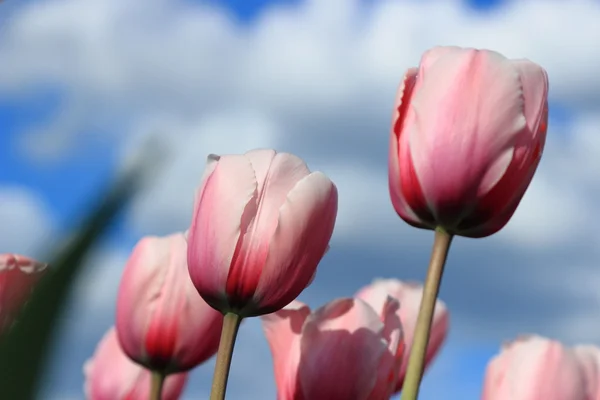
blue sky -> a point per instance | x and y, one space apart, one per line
81 85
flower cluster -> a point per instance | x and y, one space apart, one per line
467 134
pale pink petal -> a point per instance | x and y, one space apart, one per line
282 330
261 160
161 319
223 213
402 115
534 368
461 151
110 375
409 294
305 225
341 351
183 328
534 81
391 362
277 175
141 282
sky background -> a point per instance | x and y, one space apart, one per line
84 84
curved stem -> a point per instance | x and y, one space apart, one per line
231 324
416 362
158 379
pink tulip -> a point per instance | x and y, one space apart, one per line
162 322
344 350
111 375
534 368
467 135
18 275
409 296
589 360
262 222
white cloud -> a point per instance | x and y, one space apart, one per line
25 222
97 286
299 75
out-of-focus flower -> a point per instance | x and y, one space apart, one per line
409 295
261 224
468 131
589 360
111 375
535 368
18 275
343 350
162 322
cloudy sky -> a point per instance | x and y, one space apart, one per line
84 84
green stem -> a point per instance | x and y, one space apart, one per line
416 362
231 324
156 385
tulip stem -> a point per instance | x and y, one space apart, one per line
156 385
416 362
231 324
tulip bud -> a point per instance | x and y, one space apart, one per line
262 222
409 296
534 368
344 350
468 131
18 275
111 375
162 322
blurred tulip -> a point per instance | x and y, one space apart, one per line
111 375
467 135
18 275
344 350
589 360
162 322
535 368
409 296
261 224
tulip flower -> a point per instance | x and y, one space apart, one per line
468 131
535 368
18 275
467 135
162 322
409 296
111 375
344 350
262 222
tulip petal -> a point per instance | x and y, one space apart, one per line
409 294
341 339
110 375
461 151
223 213
304 228
401 172
534 368
282 330
534 81
496 208
276 175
